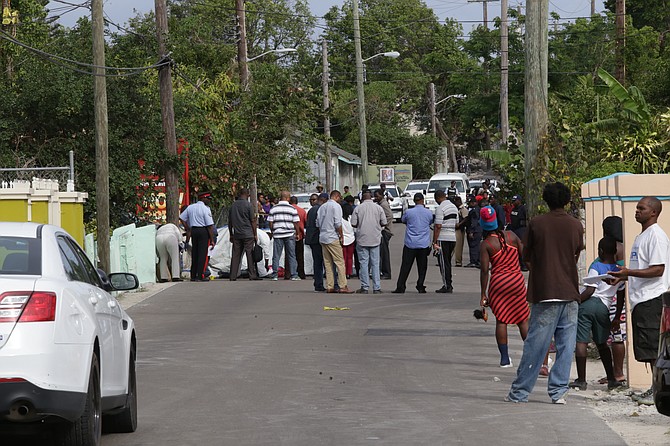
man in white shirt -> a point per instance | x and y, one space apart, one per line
284 224
648 278
444 238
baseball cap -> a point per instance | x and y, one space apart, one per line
516 197
205 195
323 196
488 219
418 196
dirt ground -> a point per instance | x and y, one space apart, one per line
637 425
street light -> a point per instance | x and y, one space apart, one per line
277 51
457 96
391 54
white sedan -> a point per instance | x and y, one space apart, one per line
67 348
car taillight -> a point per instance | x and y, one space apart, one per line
24 306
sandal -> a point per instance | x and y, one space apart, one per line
581 385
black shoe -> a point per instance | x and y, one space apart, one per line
163 281
362 291
177 279
385 277
255 278
421 290
397 291
470 265
319 290
443 290
377 292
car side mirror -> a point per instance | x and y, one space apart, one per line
123 281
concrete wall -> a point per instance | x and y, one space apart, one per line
618 195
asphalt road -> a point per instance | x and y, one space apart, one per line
262 363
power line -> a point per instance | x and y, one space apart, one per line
64 61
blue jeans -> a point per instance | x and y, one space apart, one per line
547 319
279 244
368 257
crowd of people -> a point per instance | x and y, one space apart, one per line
348 237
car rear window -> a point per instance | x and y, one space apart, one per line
20 256
444 185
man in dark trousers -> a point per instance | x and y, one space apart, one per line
384 253
551 249
242 229
444 238
299 241
518 222
417 244
473 232
312 239
199 225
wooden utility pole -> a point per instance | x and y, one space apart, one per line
325 78
593 8
620 69
101 135
242 43
536 93
167 115
504 73
360 91
485 17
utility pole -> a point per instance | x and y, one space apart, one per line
431 107
326 116
242 44
101 135
485 18
504 73
593 8
362 126
536 93
167 115
620 70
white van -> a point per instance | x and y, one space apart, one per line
442 181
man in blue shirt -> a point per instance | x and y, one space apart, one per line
417 244
199 226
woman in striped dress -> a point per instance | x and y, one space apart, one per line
506 287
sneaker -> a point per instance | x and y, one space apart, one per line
561 400
544 371
295 279
643 395
275 278
507 399
445 290
377 292
362 291
581 385
507 366
646 401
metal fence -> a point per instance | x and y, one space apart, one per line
63 175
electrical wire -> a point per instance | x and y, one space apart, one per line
64 61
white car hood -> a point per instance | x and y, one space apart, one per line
13 283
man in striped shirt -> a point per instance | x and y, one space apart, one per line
444 237
284 221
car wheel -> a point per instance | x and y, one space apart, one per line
126 420
87 430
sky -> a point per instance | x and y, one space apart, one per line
119 11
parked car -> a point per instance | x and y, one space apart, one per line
67 348
393 196
408 194
303 201
442 181
662 370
